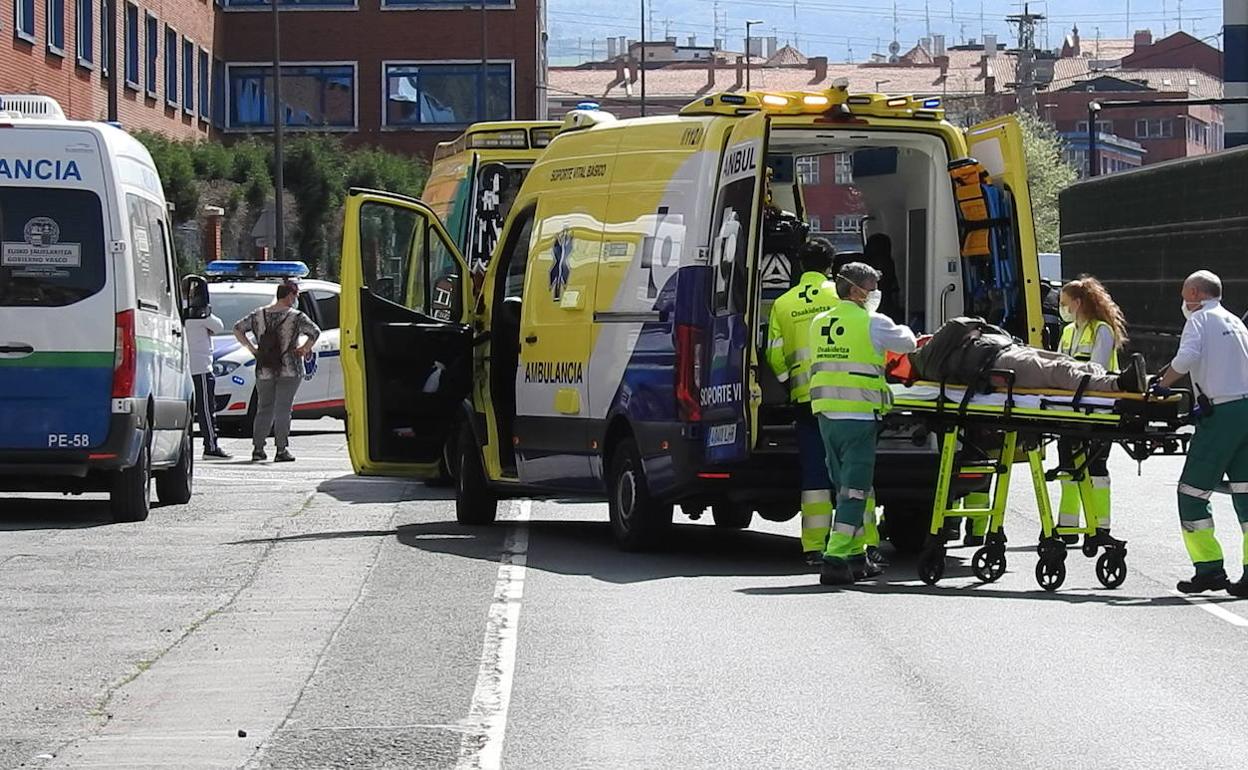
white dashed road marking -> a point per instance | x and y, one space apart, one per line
482 745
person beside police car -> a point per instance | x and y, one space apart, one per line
788 356
199 334
1213 350
849 395
279 365
1095 331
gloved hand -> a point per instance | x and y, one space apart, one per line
1156 389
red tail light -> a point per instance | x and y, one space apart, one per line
689 372
125 362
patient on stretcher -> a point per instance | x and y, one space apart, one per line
964 351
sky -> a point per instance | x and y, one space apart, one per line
845 30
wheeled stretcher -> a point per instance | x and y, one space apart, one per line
984 434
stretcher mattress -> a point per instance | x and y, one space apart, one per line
1061 400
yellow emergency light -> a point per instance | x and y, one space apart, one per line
495 139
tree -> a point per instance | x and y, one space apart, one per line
1048 174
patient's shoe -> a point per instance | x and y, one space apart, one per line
1134 379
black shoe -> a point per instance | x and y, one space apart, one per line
258 455
813 558
876 557
973 541
836 572
218 453
1102 539
1134 379
863 568
1239 590
1200 583
1069 539
283 456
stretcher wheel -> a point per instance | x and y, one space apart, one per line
932 565
1089 549
1111 569
1051 573
988 564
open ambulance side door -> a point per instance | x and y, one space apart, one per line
998 145
406 350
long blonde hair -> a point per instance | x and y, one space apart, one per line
1098 305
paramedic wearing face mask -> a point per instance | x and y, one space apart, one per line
1214 351
849 394
1095 331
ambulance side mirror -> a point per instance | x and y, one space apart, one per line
195 291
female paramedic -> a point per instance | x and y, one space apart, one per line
1095 331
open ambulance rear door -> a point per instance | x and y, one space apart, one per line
406 351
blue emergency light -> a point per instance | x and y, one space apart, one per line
591 106
227 268
932 104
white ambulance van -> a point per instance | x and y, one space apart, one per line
95 393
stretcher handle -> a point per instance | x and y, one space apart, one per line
1009 376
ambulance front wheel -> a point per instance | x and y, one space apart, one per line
731 515
475 504
638 520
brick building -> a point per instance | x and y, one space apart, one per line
402 74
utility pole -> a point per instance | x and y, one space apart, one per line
279 157
796 27
642 58
1026 85
1130 31
927 18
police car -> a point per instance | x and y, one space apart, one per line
237 288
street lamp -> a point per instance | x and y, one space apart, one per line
749 24
879 83
279 159
1094 110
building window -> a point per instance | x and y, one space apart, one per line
218 93
171 65
1154 128
816 224
1198 132
302 3
1102 126
847 223
132 45
151 39
85 32
205 85
440 3
446 94
56 26
188 77
808 171
313 95
24 19
844 169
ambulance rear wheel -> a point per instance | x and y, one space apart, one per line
638 520
130 497
731 515
475 504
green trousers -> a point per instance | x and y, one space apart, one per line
1219 448
850 449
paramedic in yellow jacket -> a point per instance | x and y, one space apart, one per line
788 355
1095 331
849 394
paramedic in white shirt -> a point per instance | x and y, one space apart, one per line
199 334
1214 351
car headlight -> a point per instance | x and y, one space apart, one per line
222 368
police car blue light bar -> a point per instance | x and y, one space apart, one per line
225 268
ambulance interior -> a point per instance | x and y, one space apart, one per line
896 188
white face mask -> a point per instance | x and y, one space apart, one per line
1066 313
874 298
1187 311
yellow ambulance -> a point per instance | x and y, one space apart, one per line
474 180
615 351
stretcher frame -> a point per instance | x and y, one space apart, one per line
1148 426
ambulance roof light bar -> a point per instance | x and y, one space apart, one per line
817 102
223 269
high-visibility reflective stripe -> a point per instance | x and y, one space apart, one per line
801 354
861 395
1191 491
801 377
844 529
783 376
1238 487
777 343
1243 525
1197 525
867 370
856 494
818 521
816 496
1100 482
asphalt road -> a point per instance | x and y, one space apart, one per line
298 616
